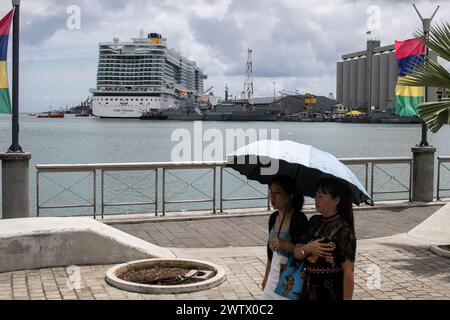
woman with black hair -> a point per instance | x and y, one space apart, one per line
288 226
330 254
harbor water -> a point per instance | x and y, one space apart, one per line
75 140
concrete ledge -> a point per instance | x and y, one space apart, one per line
34 243
435 229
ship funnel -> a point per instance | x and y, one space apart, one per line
154 38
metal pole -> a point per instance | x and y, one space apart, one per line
426 23
367 175
371 183
156 192
103 192
164 192
221 189
37 192
15 147
214 190
94 178
438 179
424 142
411 173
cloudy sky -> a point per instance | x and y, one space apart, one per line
295 43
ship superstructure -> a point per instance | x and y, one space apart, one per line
140 75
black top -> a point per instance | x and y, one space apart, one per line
298 229
324 275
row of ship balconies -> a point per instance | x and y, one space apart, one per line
134 60
131 65
131 74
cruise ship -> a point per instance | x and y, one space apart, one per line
140 75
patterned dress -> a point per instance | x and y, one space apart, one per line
324 275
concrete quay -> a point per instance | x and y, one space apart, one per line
393 259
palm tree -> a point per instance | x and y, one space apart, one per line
431 74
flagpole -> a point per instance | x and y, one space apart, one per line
426 23
15 147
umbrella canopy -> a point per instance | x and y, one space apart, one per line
264 159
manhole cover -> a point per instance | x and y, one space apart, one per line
165 276
441 250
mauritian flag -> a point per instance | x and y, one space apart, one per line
409 53
5 25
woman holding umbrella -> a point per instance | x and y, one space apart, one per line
331 251
329 276
288 226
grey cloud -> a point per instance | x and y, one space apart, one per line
223 36
37 29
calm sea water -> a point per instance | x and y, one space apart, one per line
92 140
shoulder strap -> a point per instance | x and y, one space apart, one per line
272 219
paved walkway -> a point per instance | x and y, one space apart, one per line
252 231
387 269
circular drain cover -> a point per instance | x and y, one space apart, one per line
163 276
166 275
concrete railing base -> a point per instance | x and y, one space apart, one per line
51 242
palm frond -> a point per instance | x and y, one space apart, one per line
427 74
435 114
438 40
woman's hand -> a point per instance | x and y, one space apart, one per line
317 248
278 244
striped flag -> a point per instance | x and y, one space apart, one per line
408 53
5 25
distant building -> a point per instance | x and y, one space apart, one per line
294 104
339 111
366 80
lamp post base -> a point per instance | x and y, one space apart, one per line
15 185
423 173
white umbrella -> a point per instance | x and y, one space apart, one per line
307 165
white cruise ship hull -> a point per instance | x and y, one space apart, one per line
130 106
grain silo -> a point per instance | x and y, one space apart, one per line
339 81
376 78
375 82
353 82
392 75
346 84
384 80
361 96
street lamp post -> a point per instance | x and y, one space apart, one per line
15 162
423 154
15 147
426 23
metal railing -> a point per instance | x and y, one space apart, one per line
375 164
442 161
373 167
